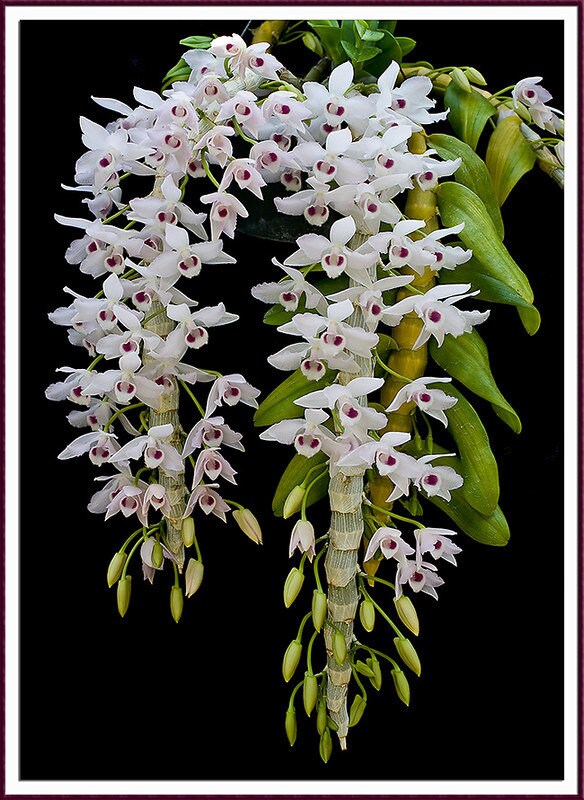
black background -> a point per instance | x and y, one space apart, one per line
146 699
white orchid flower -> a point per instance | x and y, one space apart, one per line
99 444
432 401
312 203
157 213
208 500
435 308
330 163
225 209
231 389
308 435
289 292
369 296
126 383
212 465
436 541
391 544
400 467
211 432
437 481
158 453
420 575
243 106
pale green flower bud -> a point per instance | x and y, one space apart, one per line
367 615
291 659
339 647
364 669
460 78
248 524
293 586
408 654
309 692
124 592
357 709
321 718
402 687
176 603
313 43
475 76
319 609
157 556
325 748
290 725
115 568
187 531
373 663
407 613
293 502
522 111
193 576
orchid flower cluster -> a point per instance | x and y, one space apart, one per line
340 158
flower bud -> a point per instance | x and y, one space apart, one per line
408 654
124 592
176 603
325 747
402 687
321 718
193 576
115 568
407 613
373 664
248 524
522 111
290 725
319 609
293 586
339 647
460 78
309 692
187 531
291 659
293 502
357 709
367 614
475 76
364 669
157 556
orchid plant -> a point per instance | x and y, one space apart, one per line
396 232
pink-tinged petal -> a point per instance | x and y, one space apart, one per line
342 230
170 190
172 463
359 387
147 98
289 358
176 237
284 431
113 105
132 450
112 288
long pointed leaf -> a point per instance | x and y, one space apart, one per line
472 172
457 203
509 157
478 465
469 112
493 290
279 404
466 359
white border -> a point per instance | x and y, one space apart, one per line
16 787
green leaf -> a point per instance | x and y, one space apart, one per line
469 112
458 203
493 290
330 36
358 55
492 530
509 156
466 359
478 466
279 404
294 474
472 172
390 51
406 44
197 42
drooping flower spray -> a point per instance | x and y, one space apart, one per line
394 227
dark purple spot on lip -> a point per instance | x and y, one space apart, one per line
92 419
439 257
157 455
245 175
530 93
437 545
288 297
179 111
141 297
311 211
375 310
223 212
314 443
233 391
401 103
76 392
258 62
428 176
425 398
92 247
435 316
229 46
417 577
352 413
300 440
431 480
372 208
128 347
391 544
284 109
